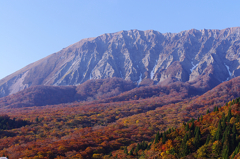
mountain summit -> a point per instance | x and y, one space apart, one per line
203 58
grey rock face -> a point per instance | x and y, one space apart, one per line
200 57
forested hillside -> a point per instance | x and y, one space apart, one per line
145 122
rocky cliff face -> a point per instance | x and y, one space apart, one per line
203 58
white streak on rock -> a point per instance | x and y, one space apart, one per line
90 75
140 79
153 70
230 73
194 66
121 74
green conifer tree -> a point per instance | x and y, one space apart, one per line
184 148
225 152
187 127
237 119
223 121
189 134
234 130
215 109
236 151
157 137
164 138
131 151
138 146
208 139
226 134
136 151
217 135
192 125
125 150
197 138
229 115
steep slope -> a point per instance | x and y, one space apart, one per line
204 58
214 135
219 95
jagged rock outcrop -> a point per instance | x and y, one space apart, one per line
203 58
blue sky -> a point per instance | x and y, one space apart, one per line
33 29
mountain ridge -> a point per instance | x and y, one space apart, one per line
202 58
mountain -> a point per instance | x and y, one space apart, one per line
202 58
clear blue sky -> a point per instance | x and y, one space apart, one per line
33 29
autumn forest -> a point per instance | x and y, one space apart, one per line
114 118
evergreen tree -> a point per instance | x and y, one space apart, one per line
149 146
238 100
172 151
136 151
36 119
236 151
125 150
186 137
226 134
189 134
229 115
187 127
157 137
169 130
223 121
208 139
225 152
144 145
201 117
234 130
233 138
164 138
233 141
192 126
217 135
138 146
196 129
237 119
215 109
131 152
197 138
207 111
185 150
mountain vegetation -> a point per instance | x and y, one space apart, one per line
145 122
130 94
